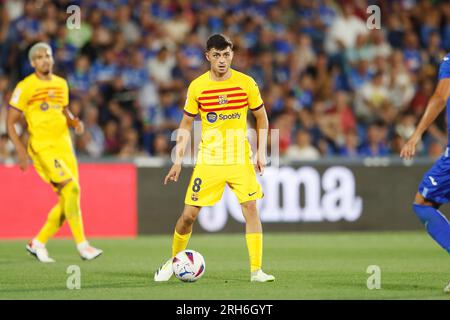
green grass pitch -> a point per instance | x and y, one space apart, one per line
306 266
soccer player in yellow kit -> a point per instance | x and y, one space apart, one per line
43 98
221 97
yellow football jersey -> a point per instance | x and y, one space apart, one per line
42 102
223 109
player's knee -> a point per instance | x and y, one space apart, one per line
249 209
71 188
188 218
249 205
419 199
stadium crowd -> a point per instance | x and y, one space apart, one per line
330 85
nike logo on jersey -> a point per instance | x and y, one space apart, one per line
250 194
433 182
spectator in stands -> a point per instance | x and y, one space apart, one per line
371 99
96 139
344 30
374 146
161 68
130 144
302 150
112 143
350 147
161 147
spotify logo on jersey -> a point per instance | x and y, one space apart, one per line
212 116
235 115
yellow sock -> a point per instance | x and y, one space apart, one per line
55 220
180 242
72 210
254 246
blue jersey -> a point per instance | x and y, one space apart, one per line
444 72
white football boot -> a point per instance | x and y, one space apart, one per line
164 273
87 252
447 288
260 276
39 250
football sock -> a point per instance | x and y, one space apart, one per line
436 224
54 221
180 242
254 246
71 195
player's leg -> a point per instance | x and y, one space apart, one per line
435 222
55 220
70 192
61 172
205 189
434 190
181 236
243 182
253 234
254 239
183 228
55 217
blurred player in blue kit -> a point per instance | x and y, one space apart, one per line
434 189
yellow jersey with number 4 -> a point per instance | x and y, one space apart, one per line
223 107
42 103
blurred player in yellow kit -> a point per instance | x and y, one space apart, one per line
222 97
43 98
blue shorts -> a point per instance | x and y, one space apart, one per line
435 184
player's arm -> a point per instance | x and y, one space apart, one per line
184 133
183 137
262 127
435 106
14 116
256 105
73 122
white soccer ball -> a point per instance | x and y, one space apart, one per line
188 265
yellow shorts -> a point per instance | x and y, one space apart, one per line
55 167
208 183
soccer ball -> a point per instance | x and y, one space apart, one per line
188 265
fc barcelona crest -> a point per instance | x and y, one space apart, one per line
223 99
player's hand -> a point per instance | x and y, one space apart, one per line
409 149
79 127
260 165
22 158
173 174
